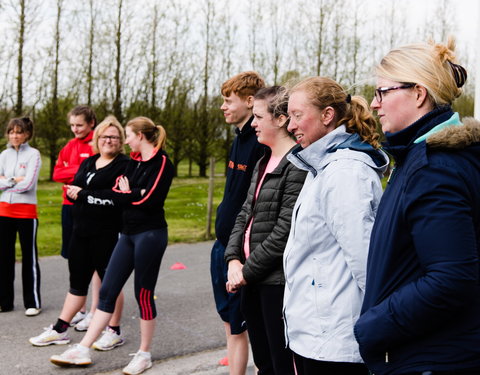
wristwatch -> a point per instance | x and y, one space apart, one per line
11 181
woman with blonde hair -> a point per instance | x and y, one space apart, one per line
96 226
326 253
422 303
141 190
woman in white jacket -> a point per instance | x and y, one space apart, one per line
19 168
326 253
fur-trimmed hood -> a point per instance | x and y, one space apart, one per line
456 137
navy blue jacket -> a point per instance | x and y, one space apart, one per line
244 154
422 304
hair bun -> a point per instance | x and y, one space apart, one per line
445 52
459 73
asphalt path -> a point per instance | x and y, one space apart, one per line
188 327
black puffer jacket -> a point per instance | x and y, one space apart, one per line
271 213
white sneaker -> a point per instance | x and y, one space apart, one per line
108 341
32 311
78 317
139 363
84 323
50 337
75 356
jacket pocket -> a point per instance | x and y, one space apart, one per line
320 284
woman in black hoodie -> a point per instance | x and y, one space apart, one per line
142 191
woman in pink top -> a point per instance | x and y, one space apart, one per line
255 249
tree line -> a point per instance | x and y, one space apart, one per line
166 59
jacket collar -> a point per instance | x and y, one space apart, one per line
87 139
399 143
137 156
320 153
22 147
279 168
246 129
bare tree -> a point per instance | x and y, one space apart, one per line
202 160
255 19
90 47
276 39
443 22
314 34
354 47
21 26
117 103
51 128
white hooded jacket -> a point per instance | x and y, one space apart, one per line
25 162
326 253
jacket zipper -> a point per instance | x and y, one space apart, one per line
392 173
14 170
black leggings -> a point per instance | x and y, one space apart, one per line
143 253
86 255
262 308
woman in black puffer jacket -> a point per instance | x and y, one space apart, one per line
255 249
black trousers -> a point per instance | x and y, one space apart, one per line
307 366
27 233
261 306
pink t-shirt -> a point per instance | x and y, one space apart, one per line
272 164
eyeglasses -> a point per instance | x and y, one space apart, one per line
382 90
113 138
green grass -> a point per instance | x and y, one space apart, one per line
49 237
186 208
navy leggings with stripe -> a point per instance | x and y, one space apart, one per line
143 253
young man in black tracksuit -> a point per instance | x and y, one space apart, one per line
237 93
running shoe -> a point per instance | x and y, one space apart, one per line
50 337
78 317
139 363
109 340
77 355
82 325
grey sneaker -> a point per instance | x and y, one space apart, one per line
74 356
50 337
83 324
108 341
78 317
139 363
